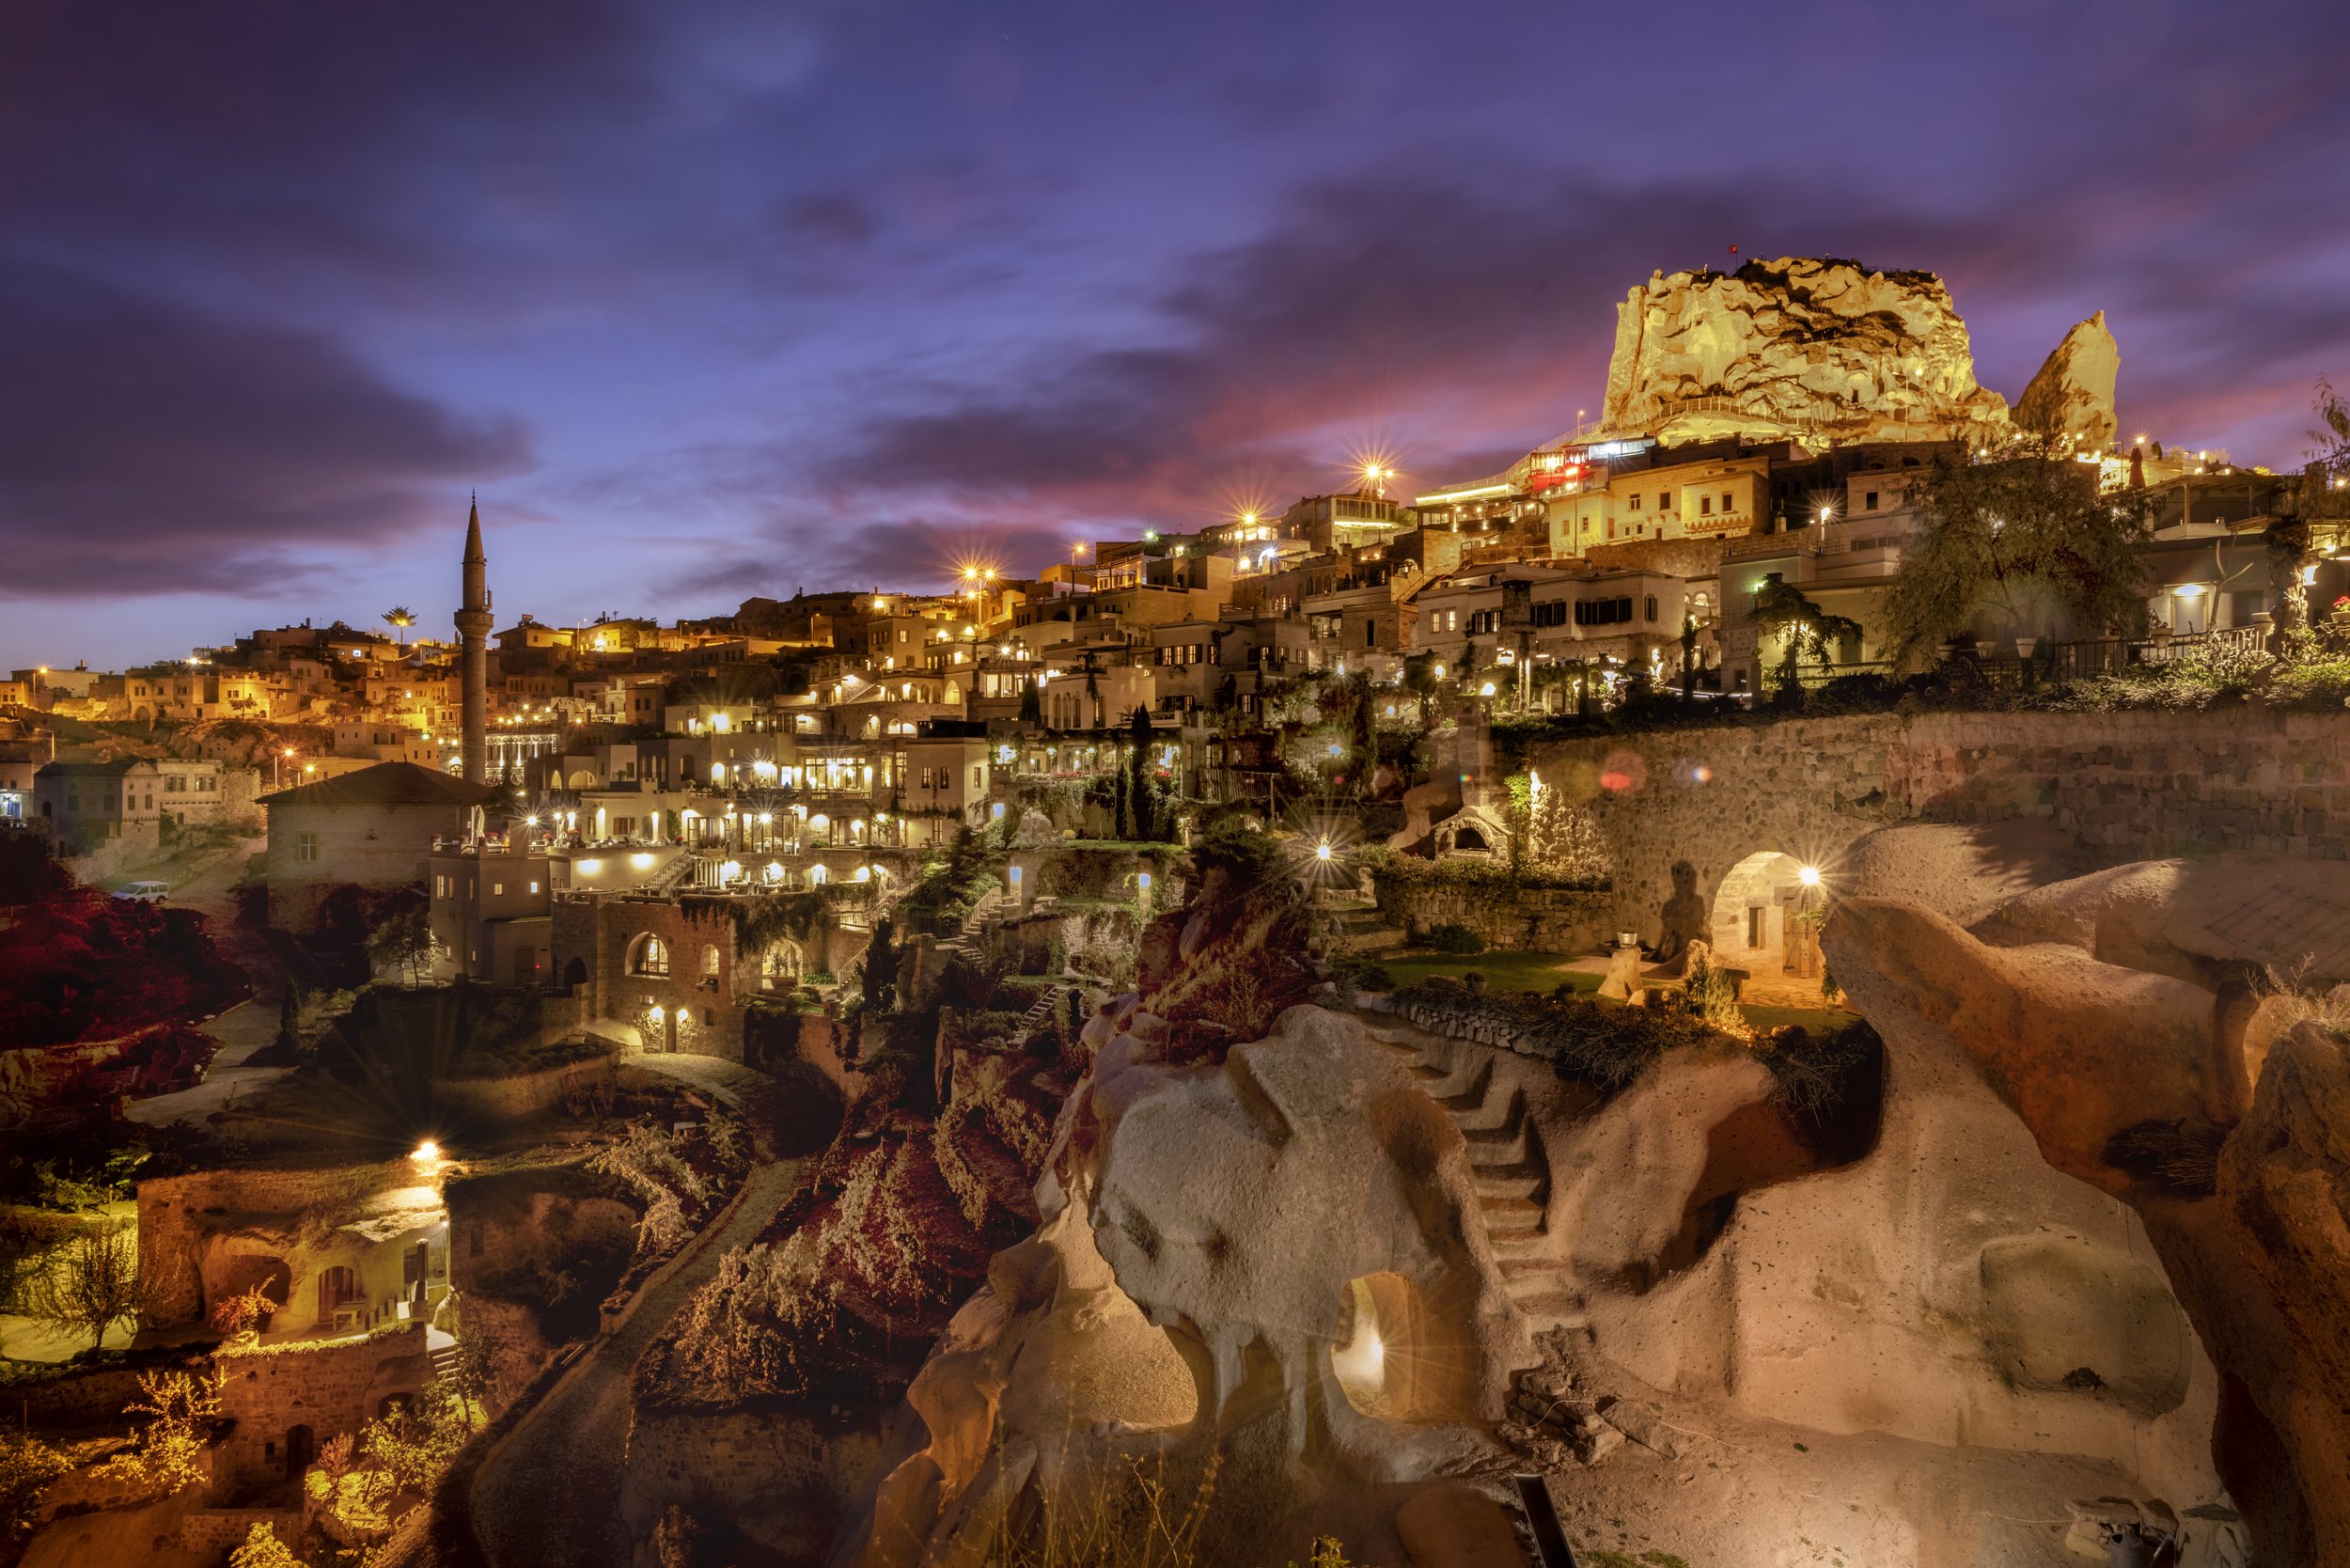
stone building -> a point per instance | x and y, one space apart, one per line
287 1398
489 912
681 971
342 1248
374 829
94 808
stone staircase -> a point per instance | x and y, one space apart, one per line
1363 929
982 912
1041 1012
670 876
444 1361
1508 1168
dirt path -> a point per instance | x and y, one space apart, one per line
244 1028
551 1494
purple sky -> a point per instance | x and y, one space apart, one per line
718 299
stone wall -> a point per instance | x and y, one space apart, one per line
331 1386
74 1398
2125 786
1539 920
220 1531
781 1477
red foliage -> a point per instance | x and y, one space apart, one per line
81 966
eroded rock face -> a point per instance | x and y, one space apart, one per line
1205 1229
2071 395
1797 346
2080 1046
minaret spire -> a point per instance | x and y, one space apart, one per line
473 636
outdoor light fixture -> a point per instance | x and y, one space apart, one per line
427 1152
1485 690
1323 850
1809 876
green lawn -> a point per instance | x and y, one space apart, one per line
1542 973
1503 971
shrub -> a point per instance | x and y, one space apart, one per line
1590 1043
2181 1155
28 1468
1451 938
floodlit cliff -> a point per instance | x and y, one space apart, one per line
1798 346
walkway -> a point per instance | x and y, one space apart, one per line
551 1494
244 1028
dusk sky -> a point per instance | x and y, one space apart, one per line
709 300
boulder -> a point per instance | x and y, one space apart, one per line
1458 1526
2071 395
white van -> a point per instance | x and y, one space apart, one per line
144 892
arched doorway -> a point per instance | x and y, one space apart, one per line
575 974
301 1448
779 968
339 1291
1754 909
1401 1358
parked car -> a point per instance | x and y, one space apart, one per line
144 892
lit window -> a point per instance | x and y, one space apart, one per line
306 847
653 957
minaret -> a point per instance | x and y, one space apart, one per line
473 636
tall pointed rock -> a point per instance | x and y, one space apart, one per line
2071 396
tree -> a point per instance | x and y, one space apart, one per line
290 1018
263 1549
2029 541
881 966
180 1407
239 1316
28 1468
416 1443
1366 733
1807 630
1139 785
2322 494
91 1283
403 943
400 618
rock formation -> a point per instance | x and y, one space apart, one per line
2108 1011
1796 347
2070 396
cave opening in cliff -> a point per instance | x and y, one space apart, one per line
1396 1357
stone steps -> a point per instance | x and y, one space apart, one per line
1506 1174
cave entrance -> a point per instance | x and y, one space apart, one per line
1756 924
1396 1357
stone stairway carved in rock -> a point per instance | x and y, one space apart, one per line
446 1359
1040 1011
982 912
1508 1168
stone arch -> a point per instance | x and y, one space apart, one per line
1394 1357
1471 831
710 961
575 974
780 966
245 1271
1752 905
582 778
648 955
338 1283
